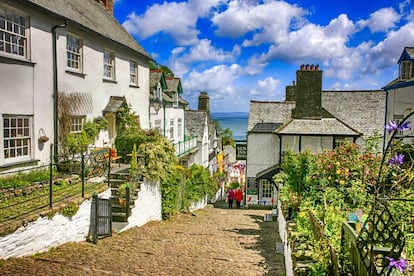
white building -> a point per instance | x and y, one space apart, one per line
309 118
400 92
75 47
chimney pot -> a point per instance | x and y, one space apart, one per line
301 67
317 67
307 67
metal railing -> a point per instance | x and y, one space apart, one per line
185 146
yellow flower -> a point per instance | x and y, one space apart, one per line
342 182
337 164
338 171
346 170
329 178
302 214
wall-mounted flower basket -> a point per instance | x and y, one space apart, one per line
42 136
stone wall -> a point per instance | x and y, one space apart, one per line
45 233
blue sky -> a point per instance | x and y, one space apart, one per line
242 50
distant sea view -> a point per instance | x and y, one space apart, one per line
236 121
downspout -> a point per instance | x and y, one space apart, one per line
55 92
163 107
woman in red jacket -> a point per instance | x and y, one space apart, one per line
238 196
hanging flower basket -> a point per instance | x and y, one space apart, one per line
42 136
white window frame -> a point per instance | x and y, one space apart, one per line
266 189
175 104
172 129
17 137
14 33
109 65
74 53
133 73
77 123
179 128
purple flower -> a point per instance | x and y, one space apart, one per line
392 126
397 160
404 126
400 264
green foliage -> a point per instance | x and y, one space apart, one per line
77 142
22 179
70 210
167 71
170 189
122 189
234 185
225 134
127 121
125 143
199 184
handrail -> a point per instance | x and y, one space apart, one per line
185 146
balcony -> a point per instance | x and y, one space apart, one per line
186 146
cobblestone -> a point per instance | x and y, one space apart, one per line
211 241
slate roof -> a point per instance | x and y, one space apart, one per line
195 123
344 113
265 127
114 104
92 16
173 85
157 76
268 112
324 126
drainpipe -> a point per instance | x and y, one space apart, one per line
163 107
384 142
55 91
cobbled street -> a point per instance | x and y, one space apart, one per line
211 241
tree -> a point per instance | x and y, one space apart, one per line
225 134
156 66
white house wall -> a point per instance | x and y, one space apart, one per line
92 82
175 114
262 152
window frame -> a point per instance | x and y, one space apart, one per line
109 67
171 129
26 128
78 54
266 189
14 37
406 69
133 73
179 128
75 125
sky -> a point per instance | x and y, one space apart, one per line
243 50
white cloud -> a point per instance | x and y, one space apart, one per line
267 89
381 20
164 18
268 22
177 19
313 42
182 58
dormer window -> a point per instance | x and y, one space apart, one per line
406 70
158 92
175 100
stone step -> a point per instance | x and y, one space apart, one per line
119 217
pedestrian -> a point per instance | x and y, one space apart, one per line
238 196
230 197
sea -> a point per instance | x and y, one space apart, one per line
236 121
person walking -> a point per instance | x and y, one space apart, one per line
238 196
230 197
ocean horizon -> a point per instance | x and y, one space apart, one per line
236 121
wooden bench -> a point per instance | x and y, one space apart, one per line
114 159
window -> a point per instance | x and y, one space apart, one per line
74 53
133 73
266 188
158 92
406 70
13 33
175 98
398 119
179 129
76 124
158 126
17 136
109 65
172 129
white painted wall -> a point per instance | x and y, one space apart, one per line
174 113
27 83
262 152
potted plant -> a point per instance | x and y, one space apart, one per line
122 193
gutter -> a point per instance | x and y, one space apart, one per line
55 92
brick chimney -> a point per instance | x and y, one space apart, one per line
308 92
108 4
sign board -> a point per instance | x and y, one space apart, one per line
241 151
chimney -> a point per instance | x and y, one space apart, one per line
204 102
108 4
290 92
308 92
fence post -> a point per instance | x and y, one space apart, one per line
109 167
128 198
83 174
51 174
95 222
